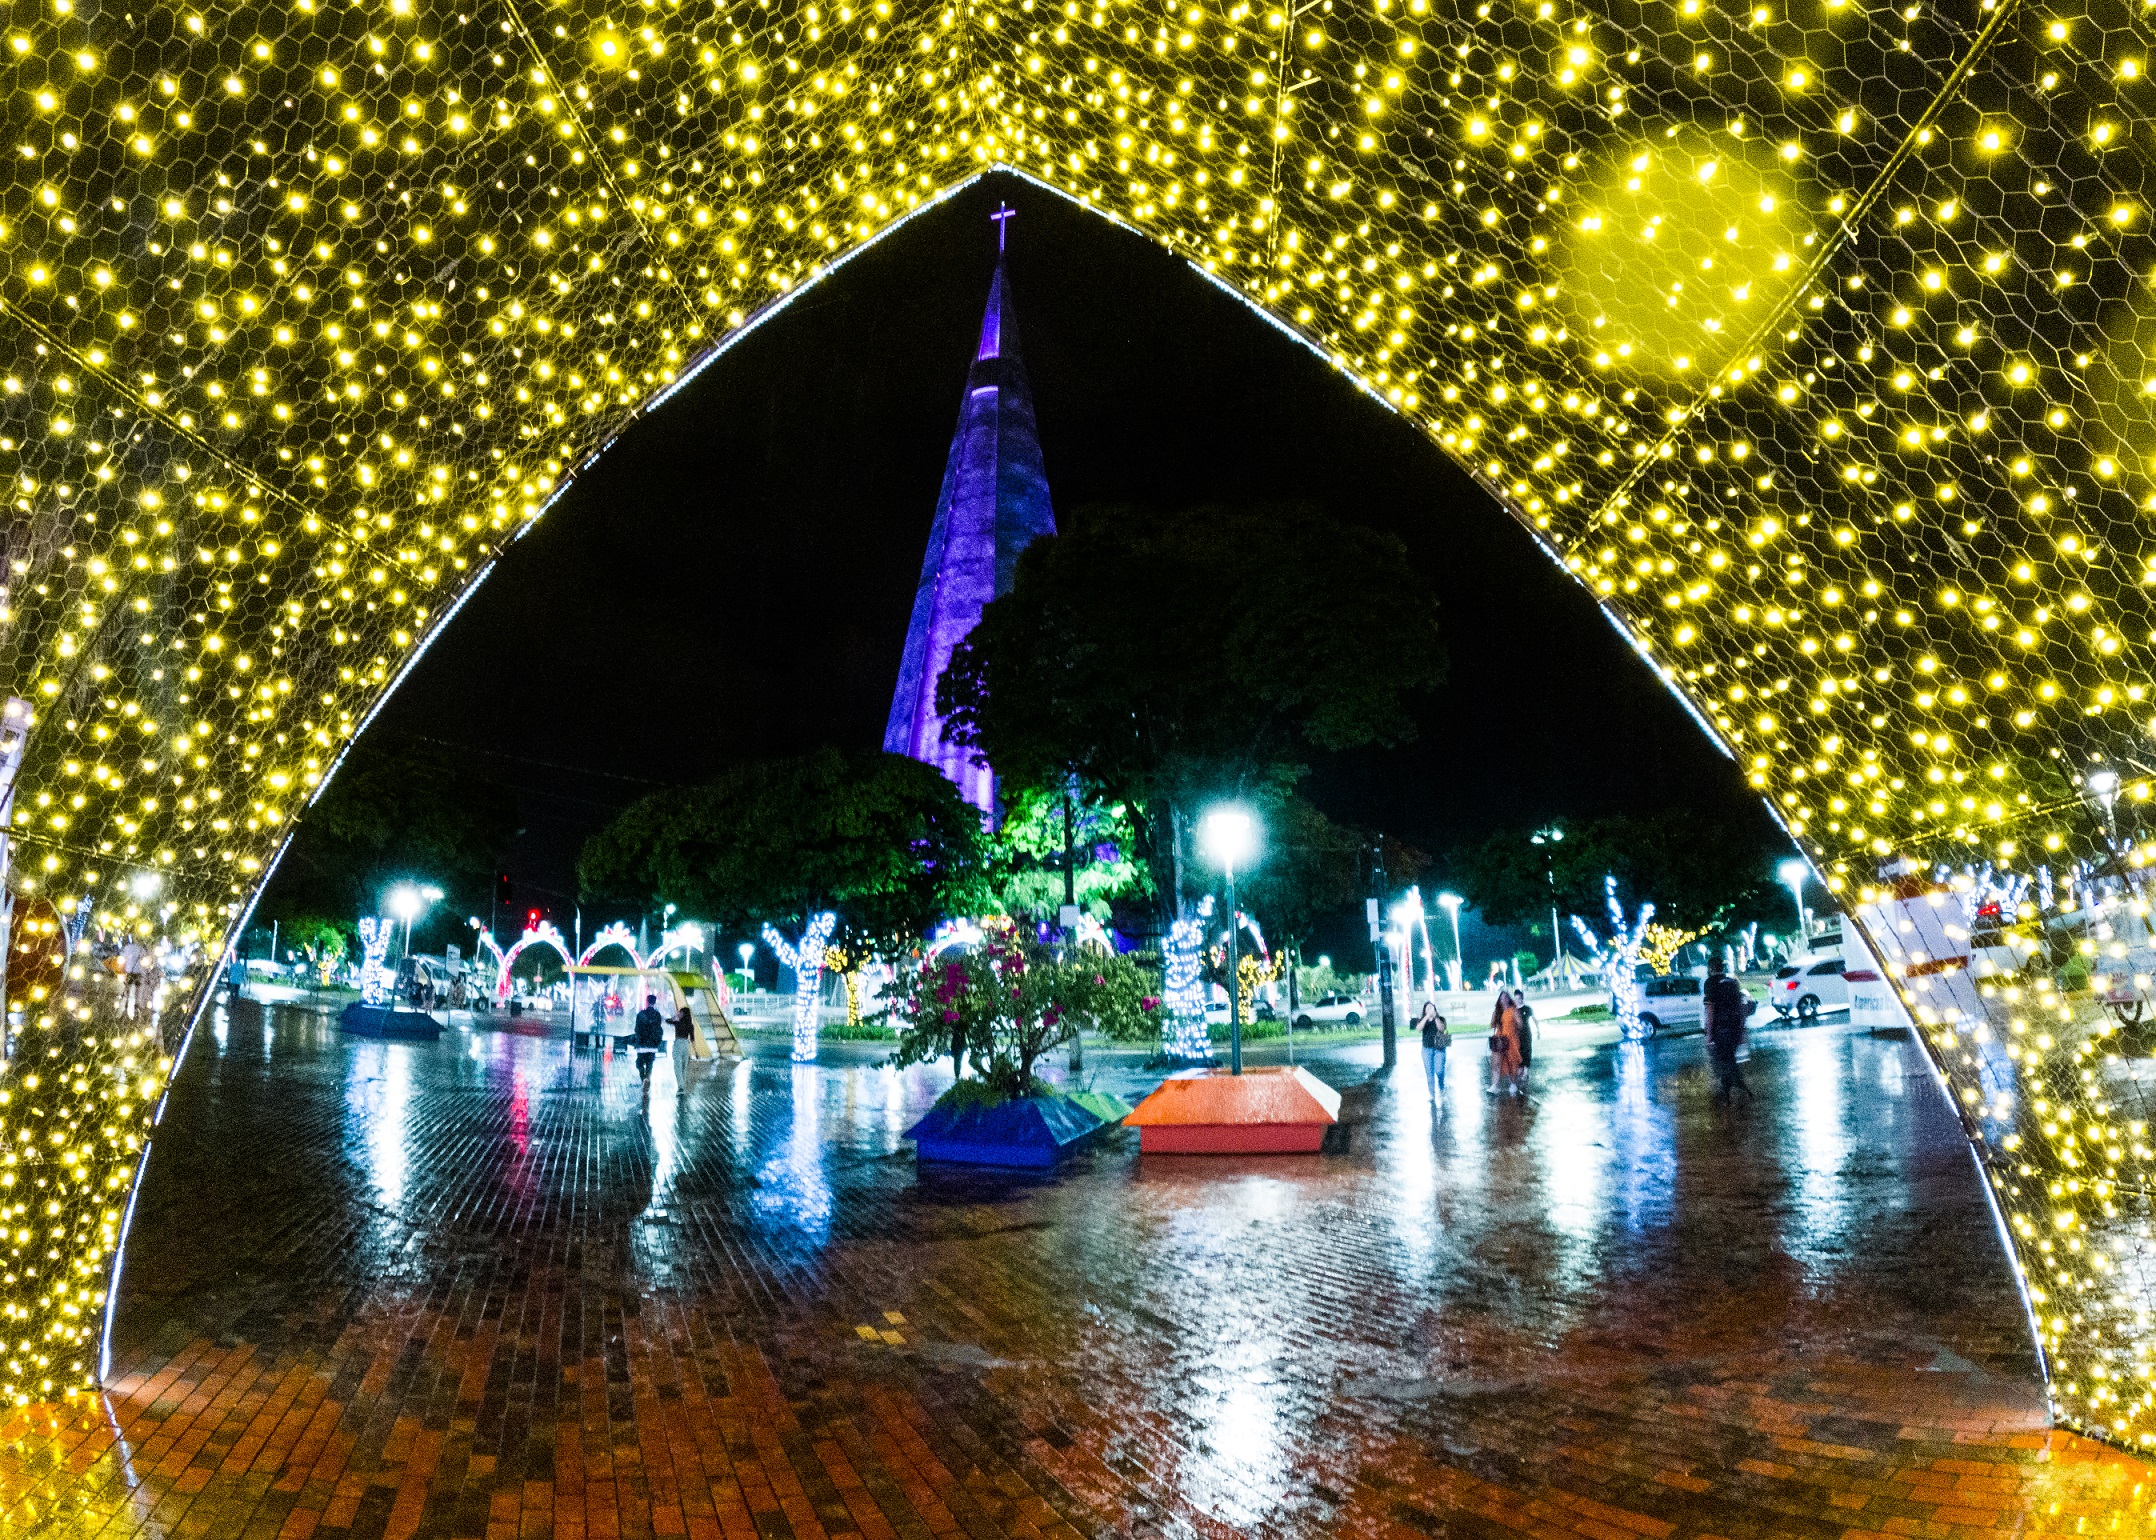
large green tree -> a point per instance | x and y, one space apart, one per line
883 841
1042 831
1698 871
1166 658
398 811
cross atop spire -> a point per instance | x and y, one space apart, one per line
1003 215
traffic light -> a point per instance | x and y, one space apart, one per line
501 890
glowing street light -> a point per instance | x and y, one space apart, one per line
2104 786
1793 873
1450 903
747 949
1228 838
1547 839
408 903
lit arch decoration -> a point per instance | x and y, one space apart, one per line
544 934
616 934
1815 342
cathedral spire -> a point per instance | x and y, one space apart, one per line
994 501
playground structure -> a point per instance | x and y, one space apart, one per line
711 1032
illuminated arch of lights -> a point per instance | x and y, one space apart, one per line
1816 337
542 935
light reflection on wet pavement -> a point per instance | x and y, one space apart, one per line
477 1288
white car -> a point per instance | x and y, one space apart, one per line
1805 986
1344 1009
1674 1004
1670 1004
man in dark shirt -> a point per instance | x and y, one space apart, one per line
1725 1008
650 1037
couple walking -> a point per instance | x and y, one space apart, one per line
1512 1043
1512 1037
651 1038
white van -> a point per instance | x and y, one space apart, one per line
1805 986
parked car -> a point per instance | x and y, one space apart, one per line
1344 1009
1673 1004
1670 1004
1805 986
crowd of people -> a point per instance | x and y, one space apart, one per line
1726 1009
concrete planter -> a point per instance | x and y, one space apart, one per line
1029 1133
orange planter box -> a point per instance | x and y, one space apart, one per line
1259 1112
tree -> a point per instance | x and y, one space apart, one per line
1008 999
1028 854
1161 659
1694 870
396 812
1310 870
883 841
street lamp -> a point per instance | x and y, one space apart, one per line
408 903
1228 837
747 949
1793 873
1547 838
2104 784
1450 903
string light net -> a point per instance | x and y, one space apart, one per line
1813 336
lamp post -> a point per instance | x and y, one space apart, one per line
1793 873
2104 784
1450 903
1228 836
1548 839
408 903
747 950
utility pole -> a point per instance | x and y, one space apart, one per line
1384 953
1069 916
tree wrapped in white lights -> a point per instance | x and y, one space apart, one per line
806 959
1623 951
375 976
1183 988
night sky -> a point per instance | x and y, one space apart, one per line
733 579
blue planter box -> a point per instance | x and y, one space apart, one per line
1030 1133
387 1021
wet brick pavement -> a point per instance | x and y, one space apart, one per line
473 1289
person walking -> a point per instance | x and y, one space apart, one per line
1504 1045
1725 1007
132 958
684 1033
1436 1043
650 1038
1525 1024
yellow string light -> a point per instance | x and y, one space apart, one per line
1820 344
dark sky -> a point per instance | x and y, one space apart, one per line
733 579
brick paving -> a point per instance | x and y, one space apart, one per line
477 1289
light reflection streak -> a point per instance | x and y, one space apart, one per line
1573 1153
1238 1412
791 1185
379 1098
1818 1125
1643 1141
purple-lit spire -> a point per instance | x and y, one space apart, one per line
993 503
